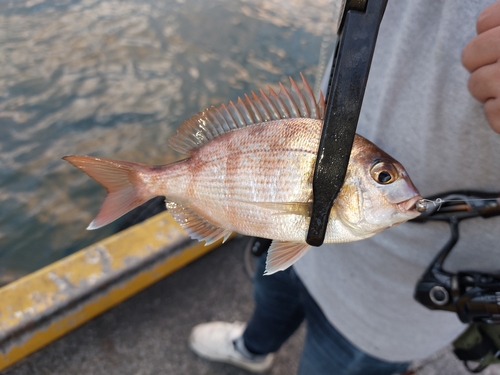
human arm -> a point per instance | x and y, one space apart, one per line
481 57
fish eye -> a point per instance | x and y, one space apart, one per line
384 172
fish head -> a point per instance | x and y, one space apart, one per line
377 192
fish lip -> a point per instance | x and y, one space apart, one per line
409 204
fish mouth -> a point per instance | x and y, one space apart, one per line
409 205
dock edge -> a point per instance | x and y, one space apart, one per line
47 304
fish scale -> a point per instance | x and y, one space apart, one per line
233 174
249 169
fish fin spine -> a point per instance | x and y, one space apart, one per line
195 225
123 181
282 255
215 121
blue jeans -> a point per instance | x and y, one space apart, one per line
282 303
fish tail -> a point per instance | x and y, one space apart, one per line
123 181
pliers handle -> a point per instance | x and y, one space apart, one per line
358 28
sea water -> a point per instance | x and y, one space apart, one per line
115 78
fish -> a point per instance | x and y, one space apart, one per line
249 170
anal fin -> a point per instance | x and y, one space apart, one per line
282 255
196 226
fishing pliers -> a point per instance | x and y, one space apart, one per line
357 33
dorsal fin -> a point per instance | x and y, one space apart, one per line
216 121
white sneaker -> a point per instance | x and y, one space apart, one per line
215 341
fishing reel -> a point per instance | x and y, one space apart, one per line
474 296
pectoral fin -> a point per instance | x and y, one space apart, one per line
282 255
195 225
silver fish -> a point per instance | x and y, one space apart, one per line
250 170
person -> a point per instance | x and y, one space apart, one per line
433 102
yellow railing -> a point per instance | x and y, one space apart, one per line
45 305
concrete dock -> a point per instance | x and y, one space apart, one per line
147 334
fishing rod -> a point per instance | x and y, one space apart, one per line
473 295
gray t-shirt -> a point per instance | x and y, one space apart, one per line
418 109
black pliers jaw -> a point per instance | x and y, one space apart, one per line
357 33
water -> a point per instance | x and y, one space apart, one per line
115 79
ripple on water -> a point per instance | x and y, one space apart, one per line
115 78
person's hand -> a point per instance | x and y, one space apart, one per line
481 57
